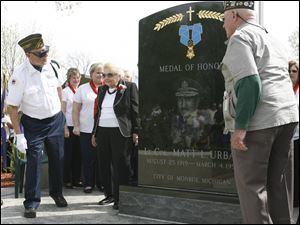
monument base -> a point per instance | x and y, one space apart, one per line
179 206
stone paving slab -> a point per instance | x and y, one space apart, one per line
82 209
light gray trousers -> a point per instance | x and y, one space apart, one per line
264 176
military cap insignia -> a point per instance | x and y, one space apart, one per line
40 44
238 5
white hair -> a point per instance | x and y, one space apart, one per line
113 68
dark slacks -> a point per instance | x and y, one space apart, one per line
134 162
264 174
90 165
72 162
296 173
114 156
50 133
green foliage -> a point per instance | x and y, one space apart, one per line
84 79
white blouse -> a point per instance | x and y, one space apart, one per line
108 117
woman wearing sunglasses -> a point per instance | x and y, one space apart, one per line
115 128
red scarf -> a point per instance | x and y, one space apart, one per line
296 87
72 89
93 86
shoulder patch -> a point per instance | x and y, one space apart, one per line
13 82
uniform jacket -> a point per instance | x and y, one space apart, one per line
125 107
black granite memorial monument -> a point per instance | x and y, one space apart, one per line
183 153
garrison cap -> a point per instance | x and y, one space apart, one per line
186 91
31 42
238 5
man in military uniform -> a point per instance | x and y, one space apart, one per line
186 129
35 88
261 113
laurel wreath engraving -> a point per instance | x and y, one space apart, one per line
172 19
205 14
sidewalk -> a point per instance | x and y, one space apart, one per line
82 209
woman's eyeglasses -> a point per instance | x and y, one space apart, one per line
108 75
293 71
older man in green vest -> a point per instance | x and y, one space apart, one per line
261 113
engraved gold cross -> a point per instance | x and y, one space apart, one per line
190 12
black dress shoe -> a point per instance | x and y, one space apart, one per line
69 185
78 184
116 206
30 213
60 201
106 201
100 188
88 189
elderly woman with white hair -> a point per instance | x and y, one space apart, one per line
115 128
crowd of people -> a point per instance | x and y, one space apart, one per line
90 132
67 125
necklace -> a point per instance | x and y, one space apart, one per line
111 90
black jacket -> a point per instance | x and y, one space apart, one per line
126 108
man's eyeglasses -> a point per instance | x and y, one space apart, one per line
41 54
108 75
293 71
